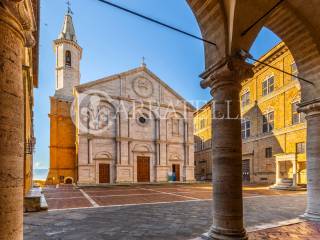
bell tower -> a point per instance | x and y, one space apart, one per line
63 155
68 55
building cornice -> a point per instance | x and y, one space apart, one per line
127 139
275 93
65 41
268 58
277 132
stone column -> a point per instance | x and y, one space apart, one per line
225 82
312 111
157 152
118 148
186 158
294 173
15 31
278 181
118 140
157 141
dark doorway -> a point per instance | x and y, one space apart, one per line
143 169
104 173
176 171
68 181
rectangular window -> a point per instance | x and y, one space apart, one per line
296 116
264 88
268 86
245 128
269 152
300 147
268 122
245 99
202 123
294 71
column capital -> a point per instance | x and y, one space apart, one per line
310 108
19 14
228 71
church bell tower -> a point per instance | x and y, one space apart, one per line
63 154
68 55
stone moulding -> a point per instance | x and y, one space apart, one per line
310 108
19 15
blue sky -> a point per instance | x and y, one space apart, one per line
114 42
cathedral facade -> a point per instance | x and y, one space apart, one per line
126 128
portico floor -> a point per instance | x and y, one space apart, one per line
160 212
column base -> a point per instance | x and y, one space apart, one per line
224 235
311 216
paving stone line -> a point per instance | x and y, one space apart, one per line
173 194
93 203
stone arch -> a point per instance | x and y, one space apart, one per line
303 45
68 180
175 157
174 114
142 148
212 23
141 109
103 155
286 21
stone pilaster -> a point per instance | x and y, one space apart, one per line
224 79
312 111
16 26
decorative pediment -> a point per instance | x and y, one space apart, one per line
103 155
142 148
175 157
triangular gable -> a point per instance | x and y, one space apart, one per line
115 77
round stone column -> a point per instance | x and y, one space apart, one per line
227 149
13 24
312 110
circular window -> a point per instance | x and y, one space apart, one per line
142 120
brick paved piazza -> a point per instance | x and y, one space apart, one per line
158 212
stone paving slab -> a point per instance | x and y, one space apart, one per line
68 196
133 199
65 197
68 203
174 221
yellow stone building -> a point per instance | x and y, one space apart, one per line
273 132
203 134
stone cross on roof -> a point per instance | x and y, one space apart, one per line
143 64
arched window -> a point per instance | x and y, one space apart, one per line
68 58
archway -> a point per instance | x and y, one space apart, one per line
68 180
233 30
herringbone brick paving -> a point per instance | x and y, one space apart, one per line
299 231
